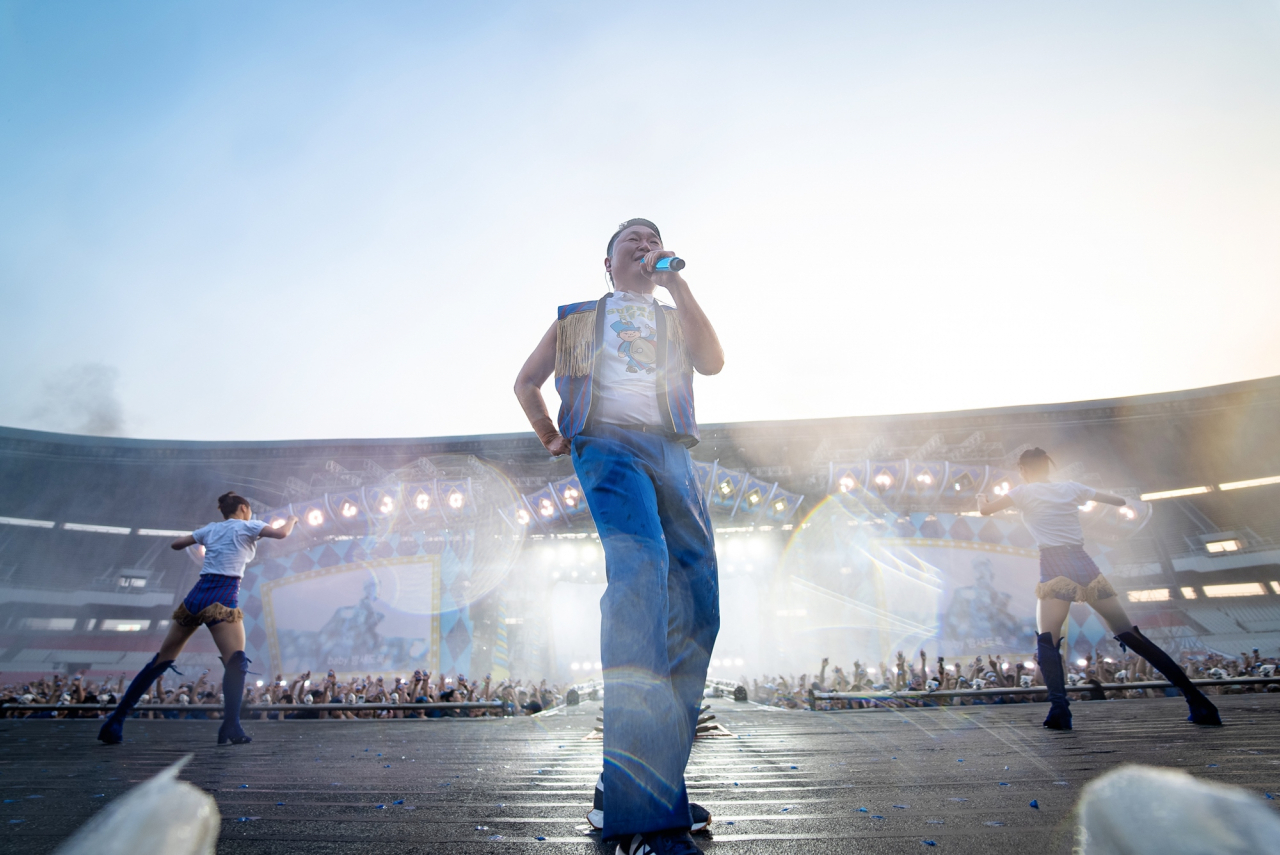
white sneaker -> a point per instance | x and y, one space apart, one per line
701 816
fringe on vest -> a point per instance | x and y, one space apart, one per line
208 614
1062 588
675 336
575 344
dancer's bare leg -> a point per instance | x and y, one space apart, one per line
1051 615
177 639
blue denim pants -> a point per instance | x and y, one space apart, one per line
659 617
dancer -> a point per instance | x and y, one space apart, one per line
228 546
1050 511
624 368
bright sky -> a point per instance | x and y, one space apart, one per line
287 220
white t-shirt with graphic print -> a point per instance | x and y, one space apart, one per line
628 390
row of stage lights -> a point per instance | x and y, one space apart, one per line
935 479
958 482
371 509
732 492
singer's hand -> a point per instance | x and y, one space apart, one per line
557 445
663 278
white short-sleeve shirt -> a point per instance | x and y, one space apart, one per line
228 546
1051 510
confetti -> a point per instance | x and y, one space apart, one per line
1035 804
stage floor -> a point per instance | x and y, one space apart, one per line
783 781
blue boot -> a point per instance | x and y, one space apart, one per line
1202 710
112 732
1050 659
232 696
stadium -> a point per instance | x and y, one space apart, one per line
846 538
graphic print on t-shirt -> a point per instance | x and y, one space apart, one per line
639 348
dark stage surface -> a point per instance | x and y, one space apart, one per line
784 781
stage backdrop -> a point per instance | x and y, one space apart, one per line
380 604
859 582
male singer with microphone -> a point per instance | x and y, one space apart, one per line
624 371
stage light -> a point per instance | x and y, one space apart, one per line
1001 489
349 509
884 480
754 498
924 478
1255 482
547 508
1082 662
259 684
715 663
738 662
1173 494
523 517
1028 664
1128 513
315 517
780 505
1088 506
1219 546
847 483
456 500
277 523
571 496
574 666
422 501
726 487
387 505
1188 593
1275 586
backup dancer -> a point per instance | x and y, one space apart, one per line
624 369
228 546
1050 511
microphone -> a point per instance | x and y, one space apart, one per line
673 264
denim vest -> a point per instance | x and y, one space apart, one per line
580 329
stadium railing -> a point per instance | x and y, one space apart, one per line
495 706
815 697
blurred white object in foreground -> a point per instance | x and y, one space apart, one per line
1136 810
162 815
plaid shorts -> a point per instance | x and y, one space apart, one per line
1068 573
214 599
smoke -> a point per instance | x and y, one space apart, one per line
81 399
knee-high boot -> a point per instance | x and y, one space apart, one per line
1050 659
232 696
1202 709
112 732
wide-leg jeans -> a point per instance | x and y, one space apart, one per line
660 614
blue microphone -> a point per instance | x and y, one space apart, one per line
673 264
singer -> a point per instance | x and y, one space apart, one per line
624 371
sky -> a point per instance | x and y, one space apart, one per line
236 221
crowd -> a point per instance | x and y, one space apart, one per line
994 672
516 696
526 698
